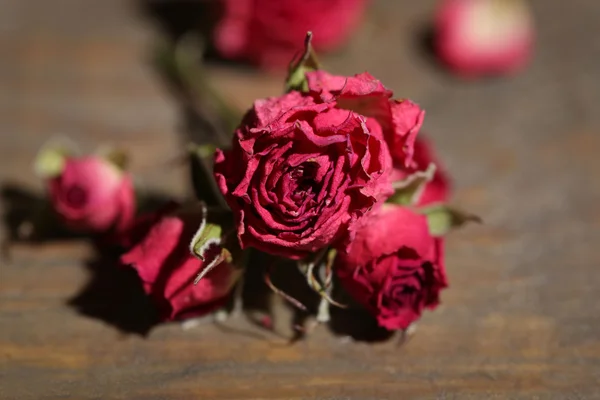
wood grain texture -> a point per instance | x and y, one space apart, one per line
521 319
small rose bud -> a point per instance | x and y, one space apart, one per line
481 37
91 194
394 268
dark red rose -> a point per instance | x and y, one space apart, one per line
398 121
394 267
301 175
268 32
91 194
167 269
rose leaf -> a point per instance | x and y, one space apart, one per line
205 241
50 162
208 235
442 219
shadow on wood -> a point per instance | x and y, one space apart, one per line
179 17
114 294
425 42
353 321
29 217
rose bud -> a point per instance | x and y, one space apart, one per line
167 269
394 267
300 175
480 37
92 194
397 121
267 32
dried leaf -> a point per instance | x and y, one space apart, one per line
296 79
118 157
442 219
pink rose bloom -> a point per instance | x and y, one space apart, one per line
479 37
267 32
397 121
93 195
167 270
394 267
300 175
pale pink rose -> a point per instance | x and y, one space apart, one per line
481 37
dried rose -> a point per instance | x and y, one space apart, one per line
480 37
91 194
394 267
300 175
267 32
167 269
398 121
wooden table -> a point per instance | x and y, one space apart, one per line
522 317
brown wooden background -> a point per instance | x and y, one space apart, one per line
521 320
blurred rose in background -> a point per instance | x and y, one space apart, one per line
270 32
484 37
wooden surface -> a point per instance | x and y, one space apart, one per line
521 319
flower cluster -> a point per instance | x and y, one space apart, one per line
312 170
333 174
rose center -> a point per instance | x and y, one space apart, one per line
76 196
405 290
303 181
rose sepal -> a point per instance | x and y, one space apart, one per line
408 191
307 62
441 219
212 244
